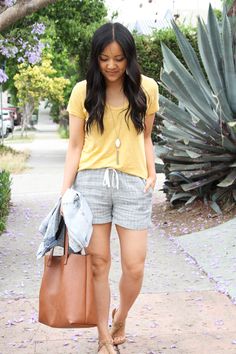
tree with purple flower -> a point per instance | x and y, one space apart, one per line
50 30
14 47
3 76
13 10
10 46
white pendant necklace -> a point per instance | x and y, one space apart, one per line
117 140
118 143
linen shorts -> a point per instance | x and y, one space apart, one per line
115 196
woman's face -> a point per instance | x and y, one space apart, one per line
112 62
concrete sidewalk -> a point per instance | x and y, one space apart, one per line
187 303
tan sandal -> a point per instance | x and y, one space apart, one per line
115 327
107 344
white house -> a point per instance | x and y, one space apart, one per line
5 99
146 15
146 25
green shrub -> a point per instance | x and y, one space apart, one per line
149 51
55 111
150 58
63 132
5 196
7 149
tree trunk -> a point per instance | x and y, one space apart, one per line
232 17
28 109
21 9
232 10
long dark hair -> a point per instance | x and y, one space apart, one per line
96 87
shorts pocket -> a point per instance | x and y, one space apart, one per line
144 181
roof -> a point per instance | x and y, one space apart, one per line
147 25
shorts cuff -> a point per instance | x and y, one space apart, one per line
101 221
130 226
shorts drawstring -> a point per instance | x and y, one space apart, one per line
114 181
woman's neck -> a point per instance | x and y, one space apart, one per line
115 94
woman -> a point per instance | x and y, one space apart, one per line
110 159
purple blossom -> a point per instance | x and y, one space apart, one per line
24 45
9 3
32 57
41 46
10 323
38 28
14 50
9 52
34 318
20 60
21 49
33 54
5 52
3 76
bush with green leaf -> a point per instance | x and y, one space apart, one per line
5 196
149 49
63 132
199 140
150 58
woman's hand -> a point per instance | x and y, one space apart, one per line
150 183
61 211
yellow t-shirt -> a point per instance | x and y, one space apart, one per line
99 150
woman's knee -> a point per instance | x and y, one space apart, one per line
100 265
134 270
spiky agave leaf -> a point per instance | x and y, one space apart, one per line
199 140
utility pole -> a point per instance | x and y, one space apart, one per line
2 133
1 112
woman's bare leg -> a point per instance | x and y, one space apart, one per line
133 245
99 248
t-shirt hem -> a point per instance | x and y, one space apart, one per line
75 114
150 113
115 168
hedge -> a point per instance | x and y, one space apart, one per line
149 49
5 196
150 57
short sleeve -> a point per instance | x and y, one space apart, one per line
153 98
76 101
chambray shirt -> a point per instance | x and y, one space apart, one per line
77 219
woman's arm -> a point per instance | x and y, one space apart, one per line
149 151
75 146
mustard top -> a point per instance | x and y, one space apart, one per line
99 150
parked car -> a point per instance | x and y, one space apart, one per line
9 118
15 112
3 129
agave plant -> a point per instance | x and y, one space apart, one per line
198 134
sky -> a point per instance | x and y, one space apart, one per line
130 10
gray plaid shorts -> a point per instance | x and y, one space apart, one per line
115 196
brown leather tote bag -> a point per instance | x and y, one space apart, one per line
66 297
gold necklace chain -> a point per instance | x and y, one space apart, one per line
117 140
